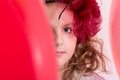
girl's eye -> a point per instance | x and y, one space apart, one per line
68 29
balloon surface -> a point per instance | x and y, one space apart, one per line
26 43
115 33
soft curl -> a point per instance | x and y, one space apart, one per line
87 17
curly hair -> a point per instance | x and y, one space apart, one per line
88 55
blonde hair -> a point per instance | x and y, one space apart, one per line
87 58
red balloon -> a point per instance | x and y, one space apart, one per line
115 33
26 44
41 40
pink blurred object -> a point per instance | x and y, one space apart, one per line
115 33
26 43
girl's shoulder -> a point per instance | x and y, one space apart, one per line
89 76
92 76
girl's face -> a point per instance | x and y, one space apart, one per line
65 40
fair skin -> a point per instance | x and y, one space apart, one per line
65 39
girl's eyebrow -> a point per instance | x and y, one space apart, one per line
68 24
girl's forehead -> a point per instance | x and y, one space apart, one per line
56 3
55 9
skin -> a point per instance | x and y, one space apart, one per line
65 39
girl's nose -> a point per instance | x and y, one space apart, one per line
58 39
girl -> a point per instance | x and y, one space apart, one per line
74 24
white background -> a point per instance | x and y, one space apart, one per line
105 6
